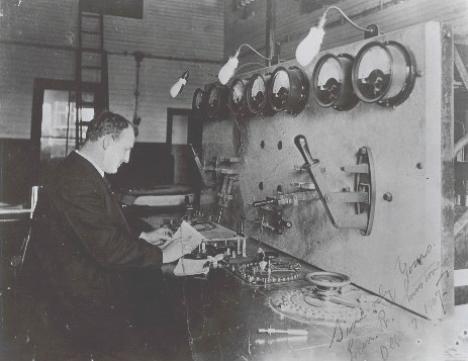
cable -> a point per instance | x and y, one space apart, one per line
251 48
322 20
250 64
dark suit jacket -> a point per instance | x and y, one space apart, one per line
81 249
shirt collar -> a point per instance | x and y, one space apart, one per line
101 172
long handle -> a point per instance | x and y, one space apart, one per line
317 178
199 166
301 144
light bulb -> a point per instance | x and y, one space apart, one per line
228 69
309 47
176 89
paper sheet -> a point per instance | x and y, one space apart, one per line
187 267
184 241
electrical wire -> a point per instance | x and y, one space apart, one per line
250 64
251 48
344 15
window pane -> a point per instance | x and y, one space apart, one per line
179 129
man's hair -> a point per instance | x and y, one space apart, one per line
108 123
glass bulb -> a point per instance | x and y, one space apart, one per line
177 87
309 47
228 69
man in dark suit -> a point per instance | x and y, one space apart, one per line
82 248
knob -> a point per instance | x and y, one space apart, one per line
388 196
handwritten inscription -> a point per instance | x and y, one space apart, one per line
392 343
408 268
382 342
342 329
419 275
422 281
388 293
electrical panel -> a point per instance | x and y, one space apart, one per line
344 163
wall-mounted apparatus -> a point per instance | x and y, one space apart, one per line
237 97
217 98
257 94
288 90
199 101
331 82
384 73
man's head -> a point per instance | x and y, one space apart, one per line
113 137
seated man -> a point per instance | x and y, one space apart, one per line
82 248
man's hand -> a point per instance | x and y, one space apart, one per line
157 237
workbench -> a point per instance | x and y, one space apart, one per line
224 315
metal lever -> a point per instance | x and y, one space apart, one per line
199 166
301 144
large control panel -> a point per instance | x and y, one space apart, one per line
343 164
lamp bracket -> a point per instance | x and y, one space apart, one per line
372 30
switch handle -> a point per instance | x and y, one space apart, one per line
301 144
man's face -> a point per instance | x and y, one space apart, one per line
117 151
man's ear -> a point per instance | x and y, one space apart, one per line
106 141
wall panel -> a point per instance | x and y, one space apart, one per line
389 15
189 29
39 21
409 254
19 66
